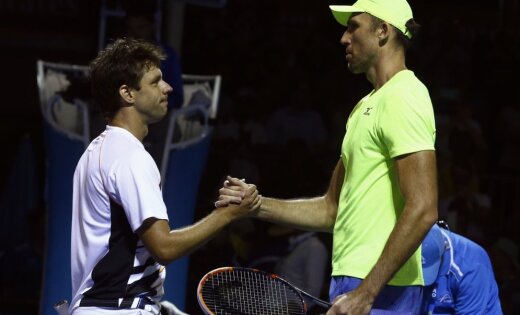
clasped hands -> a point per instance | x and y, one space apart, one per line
237 192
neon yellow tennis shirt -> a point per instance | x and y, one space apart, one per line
394 120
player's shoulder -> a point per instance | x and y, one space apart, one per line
468 251
405 84
122 148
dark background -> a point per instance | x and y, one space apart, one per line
467 55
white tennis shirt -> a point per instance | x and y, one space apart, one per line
116 188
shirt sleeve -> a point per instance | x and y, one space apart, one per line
407 123
136 187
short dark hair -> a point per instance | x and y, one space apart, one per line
412 26
122 62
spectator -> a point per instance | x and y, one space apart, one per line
304 261
458 276
296 120
466 209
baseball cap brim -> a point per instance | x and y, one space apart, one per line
343 12
432 249
431 272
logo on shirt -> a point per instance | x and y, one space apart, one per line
446 298
367 112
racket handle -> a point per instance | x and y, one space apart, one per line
62 307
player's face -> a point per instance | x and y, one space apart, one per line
151 100
361 43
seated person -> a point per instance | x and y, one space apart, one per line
458 276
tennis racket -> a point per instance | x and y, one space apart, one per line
246 291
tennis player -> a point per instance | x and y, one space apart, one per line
382 197
121 238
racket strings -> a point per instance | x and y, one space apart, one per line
239 292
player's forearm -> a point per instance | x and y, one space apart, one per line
404 240
315 214
166 245
183 241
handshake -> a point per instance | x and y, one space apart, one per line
238 197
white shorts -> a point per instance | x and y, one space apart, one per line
99 310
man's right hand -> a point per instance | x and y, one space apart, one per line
166 245
232 192
355 302
241 198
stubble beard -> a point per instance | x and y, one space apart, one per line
158 117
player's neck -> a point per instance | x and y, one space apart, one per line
126 120
385 68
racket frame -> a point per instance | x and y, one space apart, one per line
301 294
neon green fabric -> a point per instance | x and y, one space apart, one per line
395 120
395 12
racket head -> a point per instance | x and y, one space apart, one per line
246 291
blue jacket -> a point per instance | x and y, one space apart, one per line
466 282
